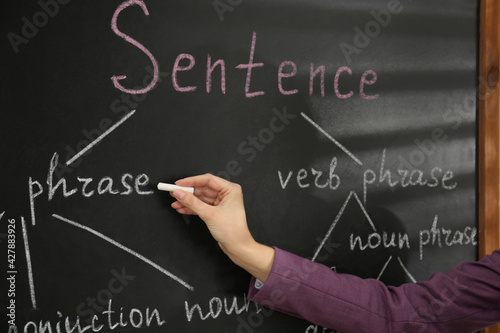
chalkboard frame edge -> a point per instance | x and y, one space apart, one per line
489 131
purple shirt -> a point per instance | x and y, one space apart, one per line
465 299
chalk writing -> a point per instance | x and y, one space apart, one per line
249 67
375 240
218 306
337 218
106 320
368 78
276 67
116 79
87 309
408 178
446 237
28 263
126 249
331 138
331 180
99 138
406 270
86 186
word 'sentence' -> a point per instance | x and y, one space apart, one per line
286 70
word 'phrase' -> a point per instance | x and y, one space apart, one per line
86 186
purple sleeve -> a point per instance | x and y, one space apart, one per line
465 299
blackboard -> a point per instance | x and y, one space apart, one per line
351 126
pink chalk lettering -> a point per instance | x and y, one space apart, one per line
178 68
369 82
336 84
249 67
210 69
312 74
116 79
282 75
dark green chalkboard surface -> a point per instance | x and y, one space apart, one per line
351 126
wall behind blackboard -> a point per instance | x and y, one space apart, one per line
380 182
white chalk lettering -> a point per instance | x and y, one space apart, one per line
106 320
216 307
375 240
332 181
407 178
446 237
86 186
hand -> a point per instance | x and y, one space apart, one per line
219 204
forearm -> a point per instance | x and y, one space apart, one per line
255 258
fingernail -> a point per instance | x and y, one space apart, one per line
179 194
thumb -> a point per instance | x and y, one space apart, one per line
191 201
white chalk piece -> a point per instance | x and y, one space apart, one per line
171 188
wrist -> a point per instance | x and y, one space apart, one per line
257 259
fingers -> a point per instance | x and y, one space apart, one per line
181 209
187 202
179 206
208 199
207 180
209 191
207 188
205 192
185 211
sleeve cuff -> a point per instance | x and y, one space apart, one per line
258 284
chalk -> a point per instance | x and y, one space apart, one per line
171 188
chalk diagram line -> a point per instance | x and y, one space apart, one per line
1 216
352 193
126 249
102 136
28 263
102 236
338 144
363 209
2 235
406 270
337 218
402 266
384 267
